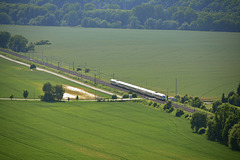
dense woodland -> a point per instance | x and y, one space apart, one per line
203 15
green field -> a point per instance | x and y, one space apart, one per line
15 78
206 64
93 130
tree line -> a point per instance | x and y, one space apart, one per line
224 126
213 15
17 43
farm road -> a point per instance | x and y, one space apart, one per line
90 79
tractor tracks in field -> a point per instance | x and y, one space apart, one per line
99 81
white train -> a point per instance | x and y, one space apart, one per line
138 89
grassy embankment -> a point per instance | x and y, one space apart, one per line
203 62
93 130
16 78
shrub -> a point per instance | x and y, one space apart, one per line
170 110
234 137
125 96
179 112
154 104
168 105
79 69
114 96
201 130
99 99
134 95
150 103
198 120
11 96
32 66
87 70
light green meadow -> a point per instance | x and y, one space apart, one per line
100 130
206 64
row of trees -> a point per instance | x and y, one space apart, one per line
145 14
17 43
233 97
193 101
223 127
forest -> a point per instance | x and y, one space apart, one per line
201 15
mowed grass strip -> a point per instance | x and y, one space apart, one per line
92 130
15 78
205 63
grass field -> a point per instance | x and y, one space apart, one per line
93 130
15 78
206 64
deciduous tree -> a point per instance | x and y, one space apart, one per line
25 94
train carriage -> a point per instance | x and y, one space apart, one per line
138 89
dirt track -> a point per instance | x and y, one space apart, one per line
99 81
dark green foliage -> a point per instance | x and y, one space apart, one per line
79 69
32 66
238 89
201 130
43 42
179 112
168 107
58 92
114 96
89 6
234 137
5 19
87 70
4 39
134 95
224 100
198 120
195 102
11 96
230 94
212 130
18 43
155 104
52 93
215 105
138 14
150 103
225 118
77 98
30 47
125 96
25 94
233 98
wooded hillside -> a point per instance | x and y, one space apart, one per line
204 15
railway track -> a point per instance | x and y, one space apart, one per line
99 81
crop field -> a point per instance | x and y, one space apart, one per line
93 130
206 64
15 78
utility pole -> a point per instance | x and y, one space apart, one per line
99 73
167 94
95 81
176 87
58 65
73 65
42 54
113 75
